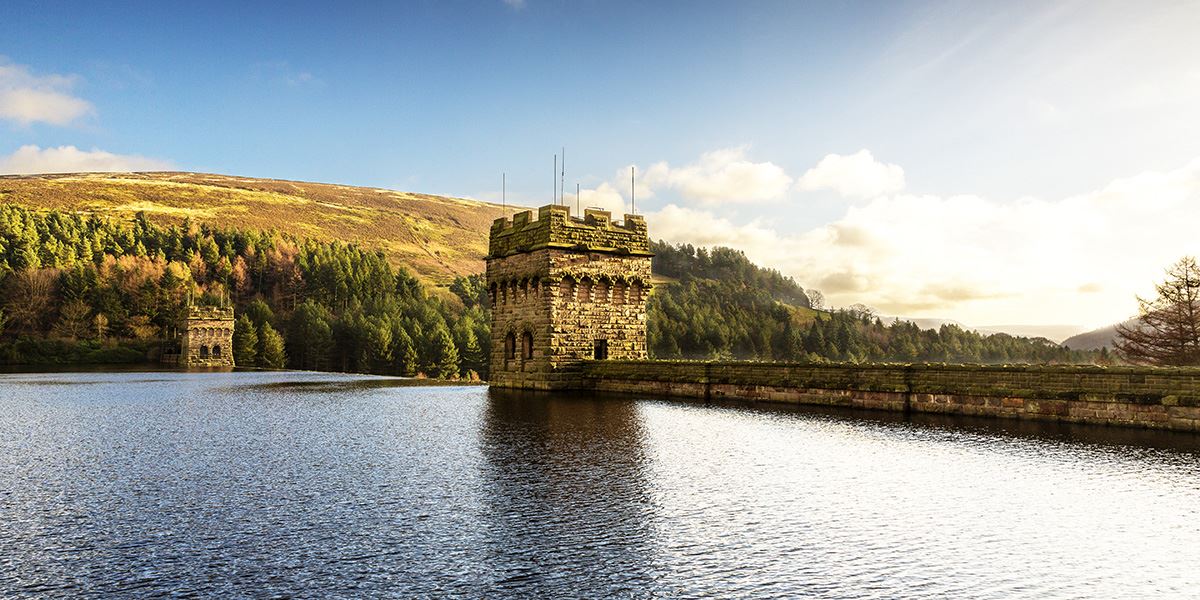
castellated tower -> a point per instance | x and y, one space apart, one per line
206 339
564 290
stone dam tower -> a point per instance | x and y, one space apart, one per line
206 338
564 290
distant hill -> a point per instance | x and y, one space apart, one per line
436 237
1054 333
1096 338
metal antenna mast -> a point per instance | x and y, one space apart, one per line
562 182
632 190
554 181
577 213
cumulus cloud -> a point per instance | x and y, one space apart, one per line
27 98
681 224
69 159
1076 260
604 197
720 176
856 175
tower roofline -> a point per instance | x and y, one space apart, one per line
554 227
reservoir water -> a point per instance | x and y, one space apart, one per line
317 485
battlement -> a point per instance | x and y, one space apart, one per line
554 227
210 312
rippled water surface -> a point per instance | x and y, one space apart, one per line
310 485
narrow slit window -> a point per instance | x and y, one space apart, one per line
527 345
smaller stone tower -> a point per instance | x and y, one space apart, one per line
206 337
564 290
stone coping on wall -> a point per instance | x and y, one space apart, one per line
1168 386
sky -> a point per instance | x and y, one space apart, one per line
988 162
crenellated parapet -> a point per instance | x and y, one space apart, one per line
554 227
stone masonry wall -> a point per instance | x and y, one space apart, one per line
207 338
1128 396
565 283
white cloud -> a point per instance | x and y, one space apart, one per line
604 197
515 4
69 159
857 175
720 176
1077 260
678 224
27 98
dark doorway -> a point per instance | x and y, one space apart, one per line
600 350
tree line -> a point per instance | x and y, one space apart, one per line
723 306
81 288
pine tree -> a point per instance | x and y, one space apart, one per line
403 352
245 342
270 348
473 358
310 337
445 359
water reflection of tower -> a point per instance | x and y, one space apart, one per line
567 506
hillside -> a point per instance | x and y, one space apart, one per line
1094 339
436 237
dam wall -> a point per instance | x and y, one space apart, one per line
1157 398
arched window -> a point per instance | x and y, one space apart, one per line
510 346
493 290
527 345
203 351
216 351
600 292
618 292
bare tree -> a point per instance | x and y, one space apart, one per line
816 299
74 320
100 323
30 298
1167 331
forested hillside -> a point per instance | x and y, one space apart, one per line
87 289
78 288
723 306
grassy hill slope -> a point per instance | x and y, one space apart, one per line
436 237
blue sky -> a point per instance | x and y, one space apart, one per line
848 144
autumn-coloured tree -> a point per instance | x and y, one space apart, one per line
74 320
1167 331
30 297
